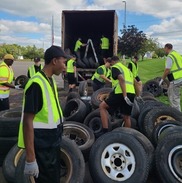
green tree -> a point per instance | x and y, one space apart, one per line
131 41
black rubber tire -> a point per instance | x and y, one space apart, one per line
81 134
6 143
99 95
106 157
135 110
86 62
161 127
165 83
9 122
10 163
157 115
153 87
73 164
72 95
147 145
168 156
83 88
91 62
147 106
80 64
21 80
146 94
75 110
88 106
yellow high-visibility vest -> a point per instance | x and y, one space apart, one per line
6 76
78 45
49 116
70 67
32 71
134 69
105 43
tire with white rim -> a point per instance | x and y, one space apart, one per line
118 157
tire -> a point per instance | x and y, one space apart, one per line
72 163
10 163
144 141
135 110
72 95
165 83
81 134
156 116
116 157
148 105
88 105
146 94
80 64
6 143
75 110
9 122
161 127
93 121
168 156
21 80
99 96
83 88
153 87
91 62
86 62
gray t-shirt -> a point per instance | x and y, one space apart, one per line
169 63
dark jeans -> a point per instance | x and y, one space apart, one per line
49 163
4 104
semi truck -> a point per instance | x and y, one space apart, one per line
89 26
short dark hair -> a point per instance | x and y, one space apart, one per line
115 58
109 60
169 46
135 57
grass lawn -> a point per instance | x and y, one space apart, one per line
151 68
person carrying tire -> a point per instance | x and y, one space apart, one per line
41 127
122 96
173 71
133 66
78 45
71 72
6 78
101 75
104 47
34 68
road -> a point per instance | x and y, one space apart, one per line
21 68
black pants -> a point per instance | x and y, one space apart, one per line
49 163
4 104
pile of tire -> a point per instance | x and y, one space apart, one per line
87 63
153 87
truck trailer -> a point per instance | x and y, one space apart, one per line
89 25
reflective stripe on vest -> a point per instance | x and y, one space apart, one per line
128 77
70 67
5 90
176 69
32 71
48 117
77 45
105 43
97 76
134 69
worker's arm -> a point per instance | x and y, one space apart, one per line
28 133
105 78
122 85
166 72
75 71
137 90
8 85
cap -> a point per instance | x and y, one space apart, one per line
37 59
8 57
54 52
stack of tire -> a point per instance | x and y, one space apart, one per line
153 87
87 63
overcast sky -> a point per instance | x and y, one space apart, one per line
28 22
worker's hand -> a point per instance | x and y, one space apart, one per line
18 87
160 82
139 99
31 169
128 101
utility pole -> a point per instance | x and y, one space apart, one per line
124 24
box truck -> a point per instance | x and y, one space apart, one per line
89 25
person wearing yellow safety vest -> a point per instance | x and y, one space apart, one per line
101 75
173 70
71 72
41 123
133 66
34 68
104 47
78 45
122 96
6 78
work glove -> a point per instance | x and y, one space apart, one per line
128 101
31 169
139 98
160 82
18 87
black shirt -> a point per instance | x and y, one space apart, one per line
115 73
37 68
